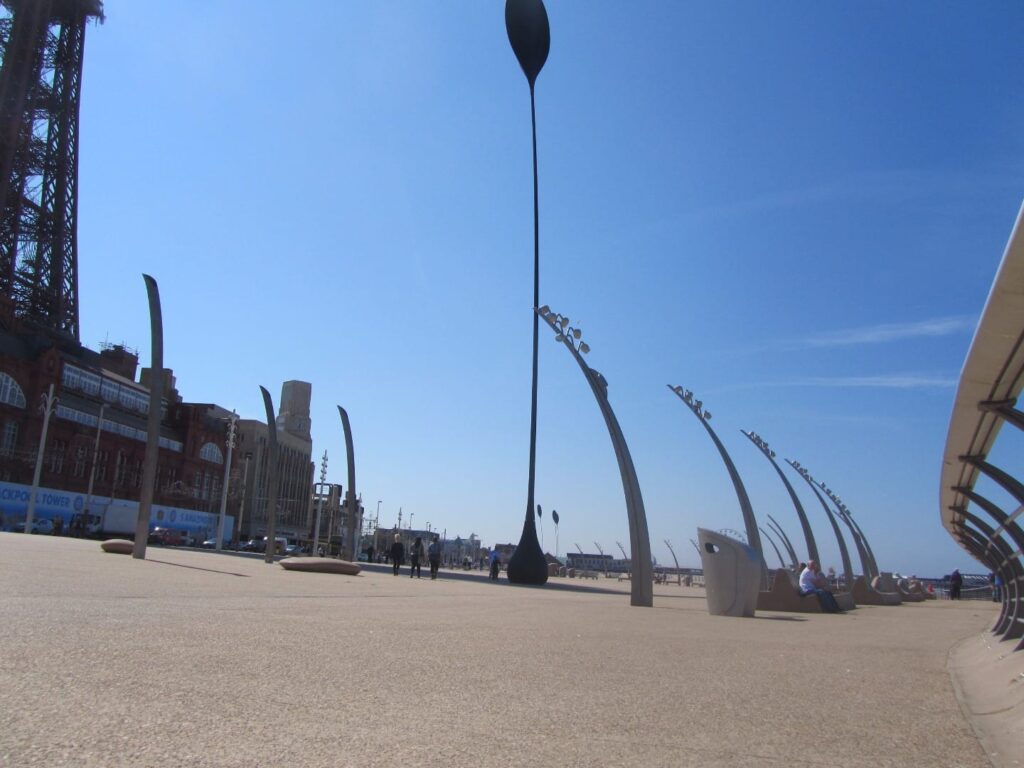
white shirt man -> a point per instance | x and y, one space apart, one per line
810 581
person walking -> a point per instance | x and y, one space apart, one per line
495 565
397 554
956 581
416 556
434 555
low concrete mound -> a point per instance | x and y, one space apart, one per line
118 546
865 594
320 565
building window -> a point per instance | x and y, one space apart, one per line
57 456
10 392
83 381
80 454
9 439
101 465
119 472
210 452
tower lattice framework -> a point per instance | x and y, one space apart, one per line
42 43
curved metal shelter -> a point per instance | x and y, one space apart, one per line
986 398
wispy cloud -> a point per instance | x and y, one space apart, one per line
887 381
887 332
892 381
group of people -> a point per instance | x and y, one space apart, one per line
417 555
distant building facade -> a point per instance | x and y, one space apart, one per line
98 396
294 467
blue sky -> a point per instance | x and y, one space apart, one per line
795 210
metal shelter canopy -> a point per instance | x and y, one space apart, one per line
993 373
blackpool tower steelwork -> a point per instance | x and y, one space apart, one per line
42 43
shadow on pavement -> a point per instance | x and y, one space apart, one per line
197 568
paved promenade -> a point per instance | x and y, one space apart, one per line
201 659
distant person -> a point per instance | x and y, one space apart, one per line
997 588
369 554
397 554
58 526
495 566
416 556
956 581
434 555
813 583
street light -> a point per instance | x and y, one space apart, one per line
47 403
232 421
843 552
92 469
679 573
812 546
749 521
642 581
241 504
320 507
867 557
526 22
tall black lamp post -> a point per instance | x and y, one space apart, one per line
527 24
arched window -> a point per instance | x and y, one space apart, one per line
10 392
211 452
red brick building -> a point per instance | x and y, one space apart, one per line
97 392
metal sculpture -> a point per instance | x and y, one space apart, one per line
156 394
843 552
771 541
40 88
526 22
350 496
867 557
790 549
749 521
812 546
642 582
271 547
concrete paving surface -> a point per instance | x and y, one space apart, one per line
193 658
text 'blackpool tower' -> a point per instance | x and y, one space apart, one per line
42 43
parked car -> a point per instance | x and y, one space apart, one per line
167 537
43 525
252 545
294 549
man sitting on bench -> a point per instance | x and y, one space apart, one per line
812 582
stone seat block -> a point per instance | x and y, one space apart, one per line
118 546
320 565
865 594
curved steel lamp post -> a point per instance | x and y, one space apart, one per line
812 546
526 22
271 547
350 497
156 394
749 521
843 552
790 550
642 581
867 557
771 541
679 574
